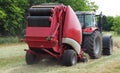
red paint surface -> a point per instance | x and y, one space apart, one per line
36 37
72 27
89 30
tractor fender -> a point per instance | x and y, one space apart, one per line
89 31
76 46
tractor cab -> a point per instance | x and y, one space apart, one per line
87 19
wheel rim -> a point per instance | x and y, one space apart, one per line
97 46
74 59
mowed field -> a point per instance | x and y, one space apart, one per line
12 60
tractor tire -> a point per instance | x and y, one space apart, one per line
107 45
30 58
69 58
93 44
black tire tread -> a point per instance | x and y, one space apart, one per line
67 57
107 45
30 58
88 45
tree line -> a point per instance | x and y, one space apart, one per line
13 13
112 24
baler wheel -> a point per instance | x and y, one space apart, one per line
107 45
93 44
30 58
69 58
84 59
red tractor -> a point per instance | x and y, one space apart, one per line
56 31
93 42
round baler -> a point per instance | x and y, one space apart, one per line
56 31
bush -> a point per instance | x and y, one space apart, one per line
9 39
116 25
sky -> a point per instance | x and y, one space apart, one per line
108 7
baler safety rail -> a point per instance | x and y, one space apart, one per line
31 52
55 30
50 53
54 33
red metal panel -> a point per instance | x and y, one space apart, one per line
37 36
72 27
89 29
38 31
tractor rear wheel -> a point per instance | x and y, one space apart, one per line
69 58
93 44
30 58
107 45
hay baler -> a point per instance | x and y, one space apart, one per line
56 31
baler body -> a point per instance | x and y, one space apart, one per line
52 29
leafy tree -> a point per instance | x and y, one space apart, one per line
12 12
92 5
116 24
79 5
75 4
36 2
2 17
108 23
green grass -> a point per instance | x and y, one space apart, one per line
110 33
116 69
12 61
9 39
6 62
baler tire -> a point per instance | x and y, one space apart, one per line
30 58
107 45
69 58
84 60
93 45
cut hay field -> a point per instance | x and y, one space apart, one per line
12 61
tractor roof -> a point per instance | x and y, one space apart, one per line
85 12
